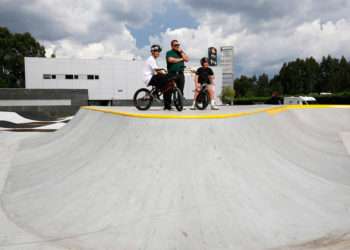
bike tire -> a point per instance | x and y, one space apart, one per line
178 99
143 99
202 100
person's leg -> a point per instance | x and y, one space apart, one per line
196 92
167 100
156 81
162 80
211 90
167 94
180 81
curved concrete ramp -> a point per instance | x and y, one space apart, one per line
264 179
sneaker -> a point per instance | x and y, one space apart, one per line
193 107
214 107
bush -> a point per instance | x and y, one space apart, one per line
250 100
228 95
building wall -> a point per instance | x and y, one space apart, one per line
117 79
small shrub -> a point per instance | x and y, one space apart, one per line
228 95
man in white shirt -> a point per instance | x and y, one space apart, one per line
155 76
152 74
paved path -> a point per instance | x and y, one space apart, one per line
258 178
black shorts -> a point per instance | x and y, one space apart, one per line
158 81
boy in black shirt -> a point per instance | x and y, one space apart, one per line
205 75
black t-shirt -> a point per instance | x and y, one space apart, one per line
203 75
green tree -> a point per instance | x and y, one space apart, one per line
329 68
262 86
13 49
312 75
245 86
275 86
342 76
293 77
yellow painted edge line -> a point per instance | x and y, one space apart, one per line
165 116
273 110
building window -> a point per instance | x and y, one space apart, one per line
70 77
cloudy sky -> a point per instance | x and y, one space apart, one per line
265 33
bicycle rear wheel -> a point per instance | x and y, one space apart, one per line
143 99
202 100
177 99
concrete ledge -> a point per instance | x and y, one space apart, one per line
43 103
16 103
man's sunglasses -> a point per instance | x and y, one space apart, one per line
176 45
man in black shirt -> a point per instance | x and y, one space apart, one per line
205 75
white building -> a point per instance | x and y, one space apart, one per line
105 79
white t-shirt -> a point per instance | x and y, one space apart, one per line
149 69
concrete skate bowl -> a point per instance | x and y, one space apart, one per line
273 179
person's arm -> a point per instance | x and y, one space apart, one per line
174 60
155 68
160 71
196 83
184 56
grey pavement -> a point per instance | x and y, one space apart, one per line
113 182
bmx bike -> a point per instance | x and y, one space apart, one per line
203 98
144 97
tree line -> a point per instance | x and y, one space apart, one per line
299 77
13 48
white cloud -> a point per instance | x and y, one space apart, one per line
265 50
265 33
80 28
121 46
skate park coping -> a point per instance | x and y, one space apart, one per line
226 112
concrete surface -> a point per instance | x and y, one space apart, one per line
272 179
13 236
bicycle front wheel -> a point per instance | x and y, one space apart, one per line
178 100
202 100
143 99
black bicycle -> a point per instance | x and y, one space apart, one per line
143 98
203 98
